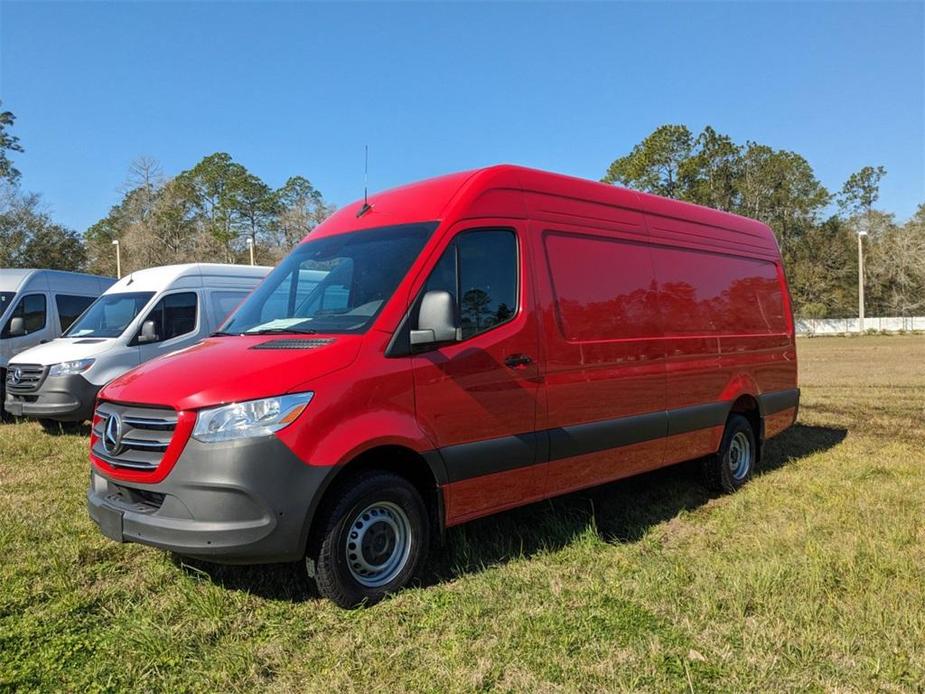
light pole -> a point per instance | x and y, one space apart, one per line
250 247
115 243
861 234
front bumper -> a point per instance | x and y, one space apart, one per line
242 502
62 398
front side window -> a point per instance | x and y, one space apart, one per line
109 315
70 307
32 309
173 315
480 270
334 284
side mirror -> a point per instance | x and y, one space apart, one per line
436 320
17 326
147 332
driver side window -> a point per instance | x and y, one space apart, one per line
33 310
174 315
479 269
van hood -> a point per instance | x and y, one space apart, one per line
220 370
64 349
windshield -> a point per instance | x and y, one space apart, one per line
335 284
5 299
109 315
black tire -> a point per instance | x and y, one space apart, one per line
4 415
377 509
54 427
733 464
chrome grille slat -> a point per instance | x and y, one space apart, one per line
146 435
141 443
151 422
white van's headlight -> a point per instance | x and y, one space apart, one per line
241 420
69 368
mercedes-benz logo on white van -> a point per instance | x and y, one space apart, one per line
15 375
112 435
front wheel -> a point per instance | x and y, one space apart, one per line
373 540
54 427
732 466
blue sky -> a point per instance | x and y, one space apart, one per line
298 88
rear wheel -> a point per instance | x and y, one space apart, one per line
732 466
373 540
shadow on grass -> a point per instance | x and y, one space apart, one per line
618 512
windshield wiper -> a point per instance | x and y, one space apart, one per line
221 333
277 331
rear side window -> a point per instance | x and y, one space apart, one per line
223 303
604 287
702 292
174 315
480 270
32 309
70 307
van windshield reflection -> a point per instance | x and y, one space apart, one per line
334 284
109 315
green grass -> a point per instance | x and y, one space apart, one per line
812 577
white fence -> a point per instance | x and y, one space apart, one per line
843 326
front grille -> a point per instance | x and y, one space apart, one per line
25 378
145 434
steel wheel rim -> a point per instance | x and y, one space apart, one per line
378 544
739 457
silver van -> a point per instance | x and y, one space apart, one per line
39 305
146 314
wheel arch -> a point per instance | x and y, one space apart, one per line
425 471
749 407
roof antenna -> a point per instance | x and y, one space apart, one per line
366 206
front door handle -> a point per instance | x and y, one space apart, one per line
515 360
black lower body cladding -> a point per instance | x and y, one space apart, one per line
238 502
62 398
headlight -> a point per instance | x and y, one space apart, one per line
242 420
68 368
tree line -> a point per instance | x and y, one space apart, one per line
212 211
779 188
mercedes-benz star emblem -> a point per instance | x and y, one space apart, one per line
16 376
112 435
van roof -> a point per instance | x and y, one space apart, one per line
157 278
12 279
475 194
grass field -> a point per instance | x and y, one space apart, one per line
813 577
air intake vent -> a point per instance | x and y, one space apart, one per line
294 344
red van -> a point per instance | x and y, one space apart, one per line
448 350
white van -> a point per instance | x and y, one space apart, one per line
38 305
144 315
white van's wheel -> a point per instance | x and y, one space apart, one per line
733 464
373 539
4 415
